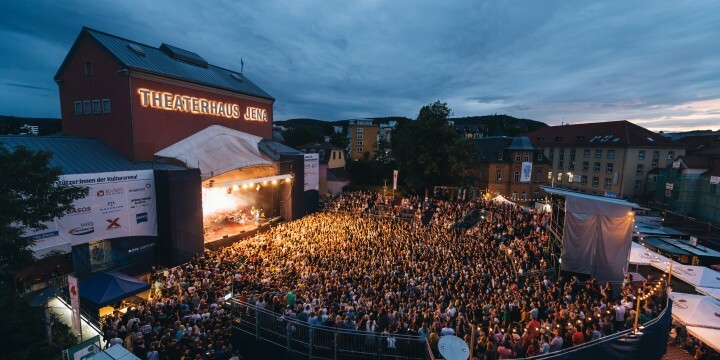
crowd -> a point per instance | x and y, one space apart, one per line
431 276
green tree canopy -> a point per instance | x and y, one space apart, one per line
428 151
29 196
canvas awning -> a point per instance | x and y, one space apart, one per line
502 199
711 337
642 256
110 287
216 150
698 276
714 293
695 310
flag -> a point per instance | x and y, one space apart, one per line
395 175
242 65
74 302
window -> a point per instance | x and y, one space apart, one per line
549 175
360 129
640 169
561 158
572 154
359 143
586 153
595 181
671 155
598 154
536 195
583 179
608 183
516 176
609 168
655 159
500 156
498 176
641 155
359 136
539 157
89 68
638 184
611 154
559 176
96 106
551 154
86 107
78 107
523 196
333 154
586 165
526 158
359 149
514 195
106 106
596 167
517 157
538 176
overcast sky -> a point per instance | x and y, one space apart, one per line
656 63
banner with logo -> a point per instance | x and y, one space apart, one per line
526 172
74 291
312 172
118 204
395 175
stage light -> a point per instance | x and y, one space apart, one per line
265 183
236 187
244 186
274 182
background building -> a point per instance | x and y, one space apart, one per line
331 157
608 158
363 137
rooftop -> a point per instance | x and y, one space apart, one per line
600 134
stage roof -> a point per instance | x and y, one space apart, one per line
564 192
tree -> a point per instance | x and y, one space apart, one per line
429 152
29 196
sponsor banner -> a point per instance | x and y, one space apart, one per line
526 172
118 204
395 175
85 350
74 291
312 172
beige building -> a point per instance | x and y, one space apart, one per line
363 137
331 157
605 158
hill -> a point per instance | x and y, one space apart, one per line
498 125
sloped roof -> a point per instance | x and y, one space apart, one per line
110 287
520 143
695 161
599 134
156 61
274 149
216 150
487 148
700 143
81 155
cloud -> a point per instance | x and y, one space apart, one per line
551 61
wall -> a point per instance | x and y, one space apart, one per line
115 128
369 140
338 161
155 129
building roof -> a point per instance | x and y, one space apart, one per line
565 192
81 155
599 134
700 143
274 149
487 148
319 146
170 61
520 143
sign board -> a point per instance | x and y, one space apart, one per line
162 100
312 172
669 186
395 175
526 171
119 204
610 194
85 349
693 241
74 291
715 180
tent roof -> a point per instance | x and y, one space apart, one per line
715 293
696 310
642 256
109 287
698 276
711 337
563 192
502 199
216 150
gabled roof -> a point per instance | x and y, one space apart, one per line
274 149
599 134
80 155
168 61
695 161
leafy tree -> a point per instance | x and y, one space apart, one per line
29 197
428 152
11 126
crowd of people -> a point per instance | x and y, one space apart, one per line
475 269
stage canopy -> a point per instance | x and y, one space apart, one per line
110 287
216 150
695 310
698 276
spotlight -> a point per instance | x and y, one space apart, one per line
274 182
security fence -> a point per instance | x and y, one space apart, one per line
323 342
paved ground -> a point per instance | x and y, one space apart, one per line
63 311
676 353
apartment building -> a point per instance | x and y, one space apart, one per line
363 139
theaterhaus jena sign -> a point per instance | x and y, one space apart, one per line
175 102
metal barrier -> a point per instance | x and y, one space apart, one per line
323 342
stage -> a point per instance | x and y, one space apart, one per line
233 232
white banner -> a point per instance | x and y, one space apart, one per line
312 172
715 180
395 175
118 204
526 172
669 186
74 302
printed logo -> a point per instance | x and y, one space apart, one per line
100 193
141 217
83 229
140 202
110 192
79 210
111 208
113 224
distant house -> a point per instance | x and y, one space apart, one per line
363 137
338 129
331 158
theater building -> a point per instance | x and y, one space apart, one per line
202 131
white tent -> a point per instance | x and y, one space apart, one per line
698 276
711 337
696 310
714 293
502 199
642 256
216 150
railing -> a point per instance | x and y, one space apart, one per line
323 342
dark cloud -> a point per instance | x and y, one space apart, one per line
552 61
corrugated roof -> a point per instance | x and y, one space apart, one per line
274 149
80 155
599 134
158 62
